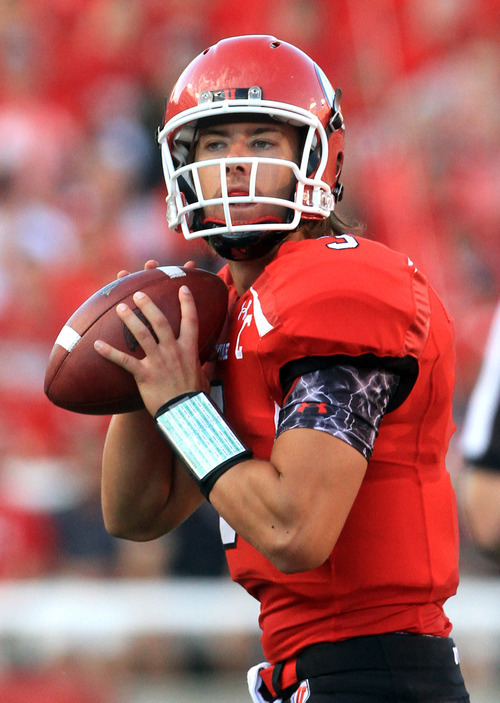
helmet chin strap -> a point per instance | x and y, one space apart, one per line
245 246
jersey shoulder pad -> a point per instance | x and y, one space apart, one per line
347 296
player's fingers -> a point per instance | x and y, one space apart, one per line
157 321
188 333
191 265
140 326
151 264
127 362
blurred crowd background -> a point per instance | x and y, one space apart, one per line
82 91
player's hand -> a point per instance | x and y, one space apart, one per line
150 264
171 366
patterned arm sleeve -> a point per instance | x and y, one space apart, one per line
345 401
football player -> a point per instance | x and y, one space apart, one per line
325 453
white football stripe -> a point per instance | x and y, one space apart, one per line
172 271
67 338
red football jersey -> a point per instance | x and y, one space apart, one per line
396 560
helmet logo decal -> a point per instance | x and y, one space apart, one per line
333 99
326 85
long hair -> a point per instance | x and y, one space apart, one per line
313 229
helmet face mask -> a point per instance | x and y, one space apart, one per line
220 86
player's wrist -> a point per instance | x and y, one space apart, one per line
198 432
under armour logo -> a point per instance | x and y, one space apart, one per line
302 694
319 408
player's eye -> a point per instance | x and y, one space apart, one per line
262 143
214 145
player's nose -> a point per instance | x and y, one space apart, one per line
237 148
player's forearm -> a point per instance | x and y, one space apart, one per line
136 476
254 499
292 509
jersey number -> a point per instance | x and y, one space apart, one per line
346 241
228 535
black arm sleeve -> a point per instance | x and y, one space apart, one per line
348 402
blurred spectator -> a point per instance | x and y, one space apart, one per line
441 204
480 490
85 548
65 682
28 543
198 550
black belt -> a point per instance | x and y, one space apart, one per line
380 652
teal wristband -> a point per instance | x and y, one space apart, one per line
198 432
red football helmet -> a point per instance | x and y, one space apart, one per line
249 78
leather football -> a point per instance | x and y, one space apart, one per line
77 378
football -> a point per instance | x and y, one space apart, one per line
77 378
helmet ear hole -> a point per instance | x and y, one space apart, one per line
338 192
